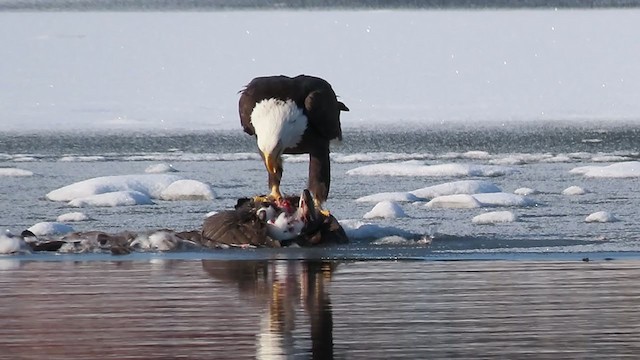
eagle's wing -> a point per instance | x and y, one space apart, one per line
323 113
245 106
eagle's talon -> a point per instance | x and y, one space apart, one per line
261 199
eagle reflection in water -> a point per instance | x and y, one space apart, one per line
285 289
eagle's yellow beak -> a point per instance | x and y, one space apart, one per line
272 162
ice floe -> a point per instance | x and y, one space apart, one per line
601 216
456 201
73 217
14 172
627 169
386 210
188 190
359 230
115 198
379 156
494 217
419 168
50 228
504 199
160 169
525 191
131 190
466 201
456 187
574 190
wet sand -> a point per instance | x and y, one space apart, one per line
163 309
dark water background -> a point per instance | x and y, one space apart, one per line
494 138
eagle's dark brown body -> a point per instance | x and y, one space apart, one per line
318 102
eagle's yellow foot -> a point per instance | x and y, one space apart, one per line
322 211
261 199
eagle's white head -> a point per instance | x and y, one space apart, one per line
278 125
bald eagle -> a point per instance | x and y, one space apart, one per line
298 115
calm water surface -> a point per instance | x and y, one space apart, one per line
217 309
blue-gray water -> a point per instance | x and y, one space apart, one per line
517 290
542 157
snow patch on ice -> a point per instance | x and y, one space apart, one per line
465 201
116 198
574 190
494 217
50 228
359 230
627 169
456 187
417 168
386 210
73 217
601 216
149 184
14 172
525 191
457 201
122 190
160 169
188 190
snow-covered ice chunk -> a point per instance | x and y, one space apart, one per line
73 216
503 199
149 184
116 198
601 216
627 169
385 209
50 228
160 169
357 229
456 187
389 196
378 156
524 191
457 201
14 172
574 190
465 201
494 217
418 168
188 190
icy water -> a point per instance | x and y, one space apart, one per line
546 286
164 308
542 156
